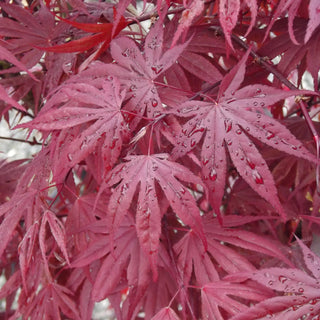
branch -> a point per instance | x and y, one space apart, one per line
32 143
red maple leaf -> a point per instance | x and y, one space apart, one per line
84 115
301 291
138 71
228 124
144 173
103 34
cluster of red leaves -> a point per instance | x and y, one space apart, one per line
177 177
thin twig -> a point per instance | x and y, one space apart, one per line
32 143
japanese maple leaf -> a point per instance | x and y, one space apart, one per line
228 16
83 115
138 71
103 34
300 56
227 124
289 7
219 295
301 291
24 30
206 263
192 11
50 302
124 265
8 99
314 18
142 174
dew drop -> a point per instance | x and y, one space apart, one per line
213 175
270 135
83 145
238 131
157 68
153 44
69 156
301 290
133 87
270 283
255 103
125 53
109 78
282 279
187 109
205 161
227 125
257 177
262 104
124 188
113 144
154 103
194 130
258 91
250 164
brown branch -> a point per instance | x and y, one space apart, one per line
32 143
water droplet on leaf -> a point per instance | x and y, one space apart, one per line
213 175
227 125
283 279
157 68
250 164
257 177
269 135
125 53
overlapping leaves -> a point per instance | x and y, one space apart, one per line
301 297
83 115
143 174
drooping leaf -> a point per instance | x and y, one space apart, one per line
141 174
314 18
192 11
228 17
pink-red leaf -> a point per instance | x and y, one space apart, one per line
143 172
314 18
220 294
228 17
228 124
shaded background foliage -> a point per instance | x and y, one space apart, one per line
176 172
